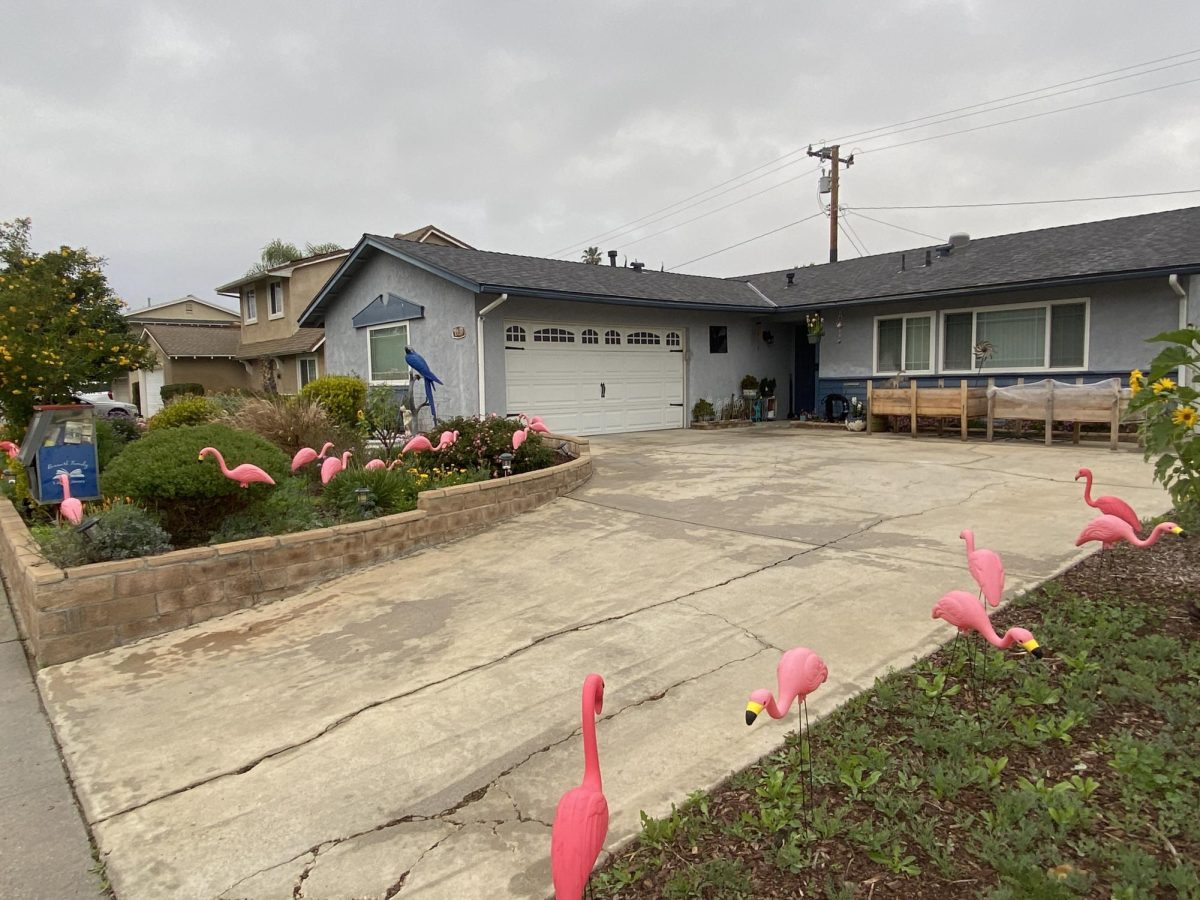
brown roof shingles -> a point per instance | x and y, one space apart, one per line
305 340
195 340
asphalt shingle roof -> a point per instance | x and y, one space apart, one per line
1093 250
508 271
304 340
195 340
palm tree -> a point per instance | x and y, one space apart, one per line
280 252
591 256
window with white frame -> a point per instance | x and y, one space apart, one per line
1026 337
903 344
249 306
385 351
275 304
307 370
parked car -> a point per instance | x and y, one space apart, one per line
106 406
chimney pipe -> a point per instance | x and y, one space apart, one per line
928 257
903 263
637 266
791 278
612 257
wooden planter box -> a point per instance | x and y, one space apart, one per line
961 402
1054 401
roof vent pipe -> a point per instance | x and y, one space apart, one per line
791 278
959 239
612 257
903 263
637 266
928 257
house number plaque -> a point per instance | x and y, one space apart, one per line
459 332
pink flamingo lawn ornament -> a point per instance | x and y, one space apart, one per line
10 448
963 611
71 509
333 465
446 440
581 820
519 438
1110 530
420 442
243 474
305 455
799 673
1110 506
986 568
375 464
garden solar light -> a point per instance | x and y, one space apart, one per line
506 459
85 527
363 496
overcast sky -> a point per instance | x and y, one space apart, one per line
176 139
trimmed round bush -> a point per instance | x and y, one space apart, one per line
186 410
342 396
191 497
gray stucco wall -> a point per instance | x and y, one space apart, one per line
1122 315
713 376
446 306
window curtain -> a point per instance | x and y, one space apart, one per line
1018 336
890 338
387 354
1067 331
917 334
958 352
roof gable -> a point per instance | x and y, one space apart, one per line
387 308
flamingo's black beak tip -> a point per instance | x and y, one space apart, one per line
1037 652
750 717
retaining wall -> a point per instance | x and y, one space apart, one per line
68 613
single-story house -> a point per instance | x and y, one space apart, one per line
597 349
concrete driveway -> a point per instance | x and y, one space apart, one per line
407 730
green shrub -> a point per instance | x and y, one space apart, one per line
703 411
192 497
169 392
230 401
392 491
109 442
341 395
480 443
122 531
187 410
287 508
126 429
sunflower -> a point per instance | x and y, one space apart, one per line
1163 385
1185 416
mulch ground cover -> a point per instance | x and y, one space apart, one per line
976 772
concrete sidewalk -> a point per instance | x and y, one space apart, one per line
407 730
44 849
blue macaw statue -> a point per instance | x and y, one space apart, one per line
417 363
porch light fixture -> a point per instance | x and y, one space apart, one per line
506 460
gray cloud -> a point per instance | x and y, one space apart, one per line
176 139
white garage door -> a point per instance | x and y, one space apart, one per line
595 379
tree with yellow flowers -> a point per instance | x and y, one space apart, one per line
60 325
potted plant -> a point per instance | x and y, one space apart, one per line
749 386
703 411
816 327
856 420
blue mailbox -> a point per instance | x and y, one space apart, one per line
61 440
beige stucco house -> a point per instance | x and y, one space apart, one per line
195 341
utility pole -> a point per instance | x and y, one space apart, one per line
831 154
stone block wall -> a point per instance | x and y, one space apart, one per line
68 613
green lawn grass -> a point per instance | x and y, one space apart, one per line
1073 775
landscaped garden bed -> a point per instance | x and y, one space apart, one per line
178 539
1068 776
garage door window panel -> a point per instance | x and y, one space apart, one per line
553 336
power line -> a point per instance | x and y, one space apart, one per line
746 241
1038 115
1031 202
854 211
861 135
885 131
703 215
861 242
853 243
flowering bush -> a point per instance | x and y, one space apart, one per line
481 441
1168 430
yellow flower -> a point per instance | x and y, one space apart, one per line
1137 381
1163 384
1185 416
